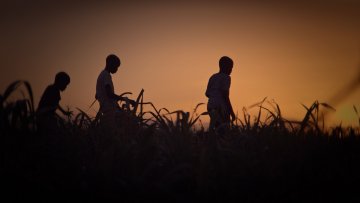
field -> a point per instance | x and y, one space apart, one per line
158 155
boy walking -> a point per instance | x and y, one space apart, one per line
218 88
108 100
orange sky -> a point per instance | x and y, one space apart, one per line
292 53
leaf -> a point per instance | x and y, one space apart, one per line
309 113
356 111
10 89
204 113
258 104
197 106
137 100
125 93
92 103
328 106
279 112
194 121
30 92
307 109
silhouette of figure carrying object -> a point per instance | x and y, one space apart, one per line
110 110
219 106
49 102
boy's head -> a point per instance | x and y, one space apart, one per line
62 80
226 65
112 63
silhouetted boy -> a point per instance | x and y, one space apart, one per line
218 88
50 99
105 90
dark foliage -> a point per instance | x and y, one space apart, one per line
161 159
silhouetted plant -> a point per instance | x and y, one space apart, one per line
17 114
158 153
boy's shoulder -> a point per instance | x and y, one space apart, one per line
220 76
104 74
51 93
52 88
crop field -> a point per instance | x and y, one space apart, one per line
159 155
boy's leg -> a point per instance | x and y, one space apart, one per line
214 119
114 119
224 121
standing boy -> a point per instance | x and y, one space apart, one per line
218 88
108 100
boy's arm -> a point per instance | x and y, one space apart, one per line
110 93
66 113
116 97
232 114
45 110
227 98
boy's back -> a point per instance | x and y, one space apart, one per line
49 103
49 100
217 89
106 103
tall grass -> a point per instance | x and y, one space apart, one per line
158 154
19 114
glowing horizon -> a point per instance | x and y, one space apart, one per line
292 53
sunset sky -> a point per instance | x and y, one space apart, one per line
292 53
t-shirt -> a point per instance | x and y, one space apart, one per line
106 103
49 100
218 85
